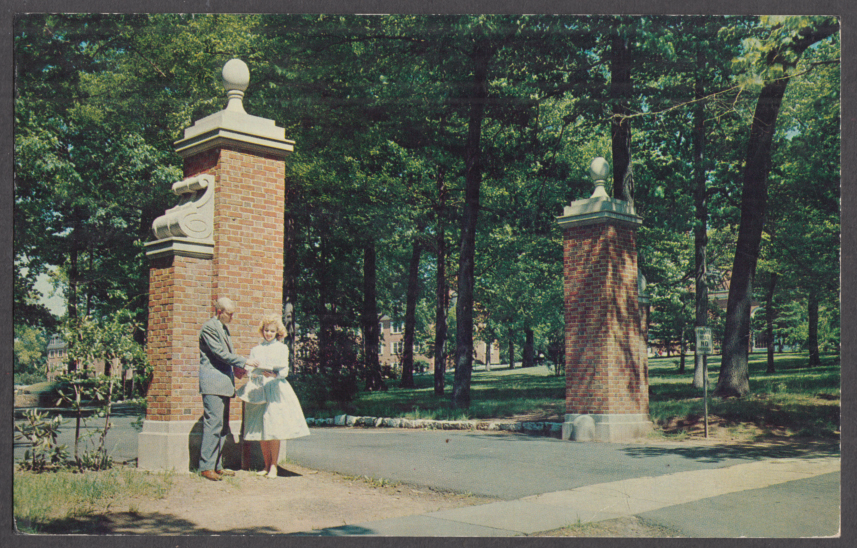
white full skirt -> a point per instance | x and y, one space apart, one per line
281 418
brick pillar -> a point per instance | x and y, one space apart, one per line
224 239
607 385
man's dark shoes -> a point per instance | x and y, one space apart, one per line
211 475
226 472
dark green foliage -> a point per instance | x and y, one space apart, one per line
392 130
30 354
316 390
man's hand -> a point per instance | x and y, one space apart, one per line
253 362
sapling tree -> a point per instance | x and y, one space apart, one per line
110 341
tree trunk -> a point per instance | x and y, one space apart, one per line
466 273
371 331
89 285
487 356
529 351
410 318
812 340
734 379
700 229
325 314
441 293
511 351
72 292
620 125
770 314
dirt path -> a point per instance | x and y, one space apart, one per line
302 500
299 500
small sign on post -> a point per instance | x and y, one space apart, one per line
704 343
704 346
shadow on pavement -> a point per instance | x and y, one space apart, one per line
343 531
132 523
757 451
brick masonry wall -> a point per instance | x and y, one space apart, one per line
249 220
176 310
247 267
606 370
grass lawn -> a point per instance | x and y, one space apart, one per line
59 502
502 393
796 400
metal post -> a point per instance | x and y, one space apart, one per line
705 389
704 346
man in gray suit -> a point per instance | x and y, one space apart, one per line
217 386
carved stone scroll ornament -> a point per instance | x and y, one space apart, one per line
193 217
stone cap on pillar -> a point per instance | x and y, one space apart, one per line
599 207
232 125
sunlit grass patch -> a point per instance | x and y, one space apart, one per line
494 394
48 501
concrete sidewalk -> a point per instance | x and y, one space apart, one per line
780 482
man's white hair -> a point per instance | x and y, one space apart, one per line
224 303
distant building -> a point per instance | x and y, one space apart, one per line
57 363
392 346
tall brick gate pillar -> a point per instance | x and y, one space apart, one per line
223 239
606 370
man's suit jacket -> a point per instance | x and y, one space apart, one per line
216 360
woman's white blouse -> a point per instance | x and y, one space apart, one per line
272 355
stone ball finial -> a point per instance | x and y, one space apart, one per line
598 171
236 78
236 75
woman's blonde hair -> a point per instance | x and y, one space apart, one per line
269 319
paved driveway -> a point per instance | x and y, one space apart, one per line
509 466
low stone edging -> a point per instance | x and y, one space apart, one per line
545 428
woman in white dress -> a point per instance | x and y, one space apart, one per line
272 412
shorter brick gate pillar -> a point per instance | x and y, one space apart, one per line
606 370
223 239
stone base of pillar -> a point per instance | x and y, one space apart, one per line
608 428
174 445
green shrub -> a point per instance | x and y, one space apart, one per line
311 389
42 433
334 385
29 378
